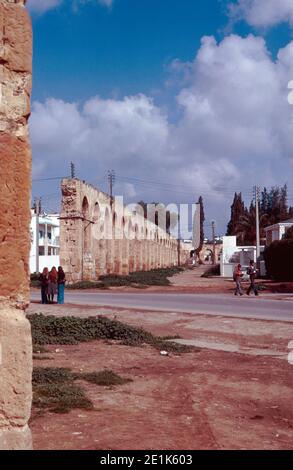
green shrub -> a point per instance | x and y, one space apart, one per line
104 378
73 330
155 277
81 285
54 390
279 260
212 271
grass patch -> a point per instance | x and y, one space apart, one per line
155 277
54 390
74 330
103 378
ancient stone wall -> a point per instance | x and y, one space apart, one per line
97 237
206 254
15 171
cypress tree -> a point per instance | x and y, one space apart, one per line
202 219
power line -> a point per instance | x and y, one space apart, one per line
191 192
49 179
223 188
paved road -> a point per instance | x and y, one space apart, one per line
212 304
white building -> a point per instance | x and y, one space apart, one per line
233 255
49 239
277 231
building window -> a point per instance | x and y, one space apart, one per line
41 250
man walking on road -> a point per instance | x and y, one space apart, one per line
252 272
237 275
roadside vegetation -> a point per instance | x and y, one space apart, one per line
140 279
279 260
73 330
212 271
55 389
59 390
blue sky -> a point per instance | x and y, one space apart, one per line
147 68
125 49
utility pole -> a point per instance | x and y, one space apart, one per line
72 170
214 241
111 179
37 211
256 195
179 251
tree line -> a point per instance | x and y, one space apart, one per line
273 208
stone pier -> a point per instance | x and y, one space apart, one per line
15 174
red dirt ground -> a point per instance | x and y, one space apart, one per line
200 400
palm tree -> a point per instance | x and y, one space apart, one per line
246 227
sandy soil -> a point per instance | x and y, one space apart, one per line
206 399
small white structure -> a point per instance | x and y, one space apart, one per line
277 231
49 241
233 254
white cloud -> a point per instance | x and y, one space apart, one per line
263 13
106 3
235 128
41 6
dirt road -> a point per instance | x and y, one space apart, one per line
206 399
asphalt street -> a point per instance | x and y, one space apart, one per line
262 307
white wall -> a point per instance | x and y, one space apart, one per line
229 248
44 262
233 254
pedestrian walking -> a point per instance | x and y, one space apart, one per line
61 285
44 281
237 276
53 285
252 272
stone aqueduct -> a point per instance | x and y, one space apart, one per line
15 176
100 236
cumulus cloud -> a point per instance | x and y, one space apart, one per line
41 6
106 3
234 128
263 13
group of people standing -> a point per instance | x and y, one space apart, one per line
52 283
238 275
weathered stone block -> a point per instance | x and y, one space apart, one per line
16 439
15 367
15 171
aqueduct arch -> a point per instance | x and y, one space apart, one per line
121 240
